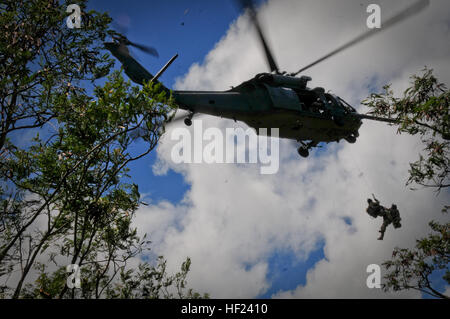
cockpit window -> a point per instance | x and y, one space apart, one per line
338 102
345 105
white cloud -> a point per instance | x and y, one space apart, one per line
447 291
232 219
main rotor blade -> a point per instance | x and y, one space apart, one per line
408 12
270 60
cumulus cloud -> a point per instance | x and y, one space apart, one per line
233 219
447 291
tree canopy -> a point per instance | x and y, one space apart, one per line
423 110
65 147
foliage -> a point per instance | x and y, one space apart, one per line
411 268
423 110
66 196
41 60
153 282
145 282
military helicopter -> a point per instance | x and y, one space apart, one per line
271 100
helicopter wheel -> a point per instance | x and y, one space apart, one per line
351 139
303 152
187 121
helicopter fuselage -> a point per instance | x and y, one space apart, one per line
266 101
300 113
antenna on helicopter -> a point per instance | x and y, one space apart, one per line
160 72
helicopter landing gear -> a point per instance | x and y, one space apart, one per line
303 150
351 138
188 120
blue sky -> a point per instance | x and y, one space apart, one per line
194 29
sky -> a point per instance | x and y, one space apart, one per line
302 232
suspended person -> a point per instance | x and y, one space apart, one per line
390 215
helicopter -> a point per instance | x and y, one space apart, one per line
270 100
